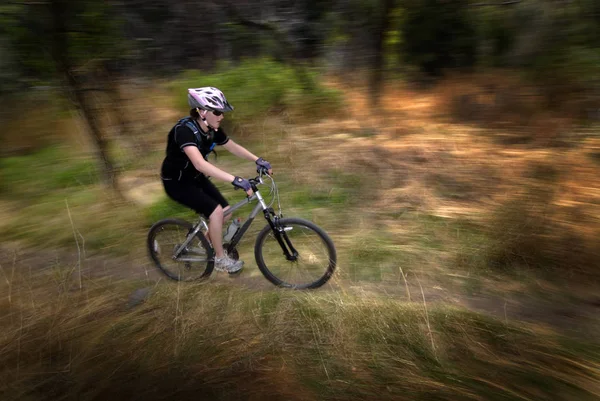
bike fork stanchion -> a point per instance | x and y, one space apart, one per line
294 253
276 228
284 241
284 248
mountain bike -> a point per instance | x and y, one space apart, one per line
290 252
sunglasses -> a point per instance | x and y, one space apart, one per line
217 113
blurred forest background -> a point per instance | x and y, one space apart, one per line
450 149
86 51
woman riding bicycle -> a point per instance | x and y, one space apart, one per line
185 170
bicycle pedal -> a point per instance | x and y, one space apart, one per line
237 273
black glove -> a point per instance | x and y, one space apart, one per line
239 182
262 164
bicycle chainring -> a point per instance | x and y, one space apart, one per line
232 253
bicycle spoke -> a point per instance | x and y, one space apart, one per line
166 238
312 264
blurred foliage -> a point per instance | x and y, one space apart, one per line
439 35
382 208
93 30
556 44
551 41
257 86
39 116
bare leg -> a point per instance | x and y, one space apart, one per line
215 230
225 219
228 217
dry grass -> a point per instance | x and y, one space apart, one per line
415 158
222 342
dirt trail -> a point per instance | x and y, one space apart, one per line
60 266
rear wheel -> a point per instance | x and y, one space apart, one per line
194 262
310 267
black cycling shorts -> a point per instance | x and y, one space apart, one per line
198 194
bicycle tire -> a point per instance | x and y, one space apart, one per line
297 230
201 256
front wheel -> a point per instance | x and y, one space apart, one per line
311 258
195 261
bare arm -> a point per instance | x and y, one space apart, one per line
205 167
240 151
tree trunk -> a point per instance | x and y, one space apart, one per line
60 53
377 68
107 168
285 46
109 76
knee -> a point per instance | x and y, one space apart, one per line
217 214
226 218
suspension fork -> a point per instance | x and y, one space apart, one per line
281 236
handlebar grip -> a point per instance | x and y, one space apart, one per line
262 170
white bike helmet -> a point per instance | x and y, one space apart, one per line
208 98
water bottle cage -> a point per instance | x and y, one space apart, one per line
232 230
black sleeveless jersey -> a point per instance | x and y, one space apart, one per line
187 132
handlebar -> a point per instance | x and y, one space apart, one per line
254 182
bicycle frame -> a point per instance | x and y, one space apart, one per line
261 205
273 220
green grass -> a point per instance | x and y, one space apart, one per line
331 198
98 221
335 192
165 207
50 168
56 196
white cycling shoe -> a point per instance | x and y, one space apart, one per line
226 264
